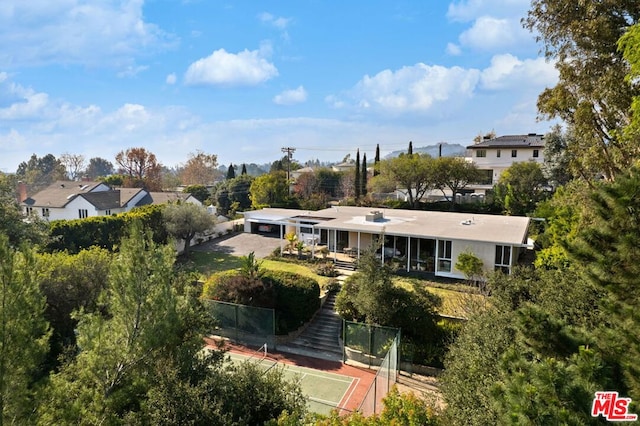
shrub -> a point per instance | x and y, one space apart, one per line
297 299
326 269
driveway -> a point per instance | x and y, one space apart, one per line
241 245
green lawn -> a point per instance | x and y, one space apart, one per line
454 302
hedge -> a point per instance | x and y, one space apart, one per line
103 231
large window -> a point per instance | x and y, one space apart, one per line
503 259
514 153
481 153
83 213
444 256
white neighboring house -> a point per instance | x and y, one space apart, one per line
494 155
67 200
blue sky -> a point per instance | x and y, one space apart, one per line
242 79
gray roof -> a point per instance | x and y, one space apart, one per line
531 140
412 223
163 197
60 193
103 200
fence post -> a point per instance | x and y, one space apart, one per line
344 341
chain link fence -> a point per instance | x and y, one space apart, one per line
247 325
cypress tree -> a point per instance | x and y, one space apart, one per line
363 180
231 173
376 161
244 169
356 182
410 150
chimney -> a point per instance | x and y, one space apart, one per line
22 192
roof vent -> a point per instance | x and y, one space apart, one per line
466 222
83 187
374 216
70 196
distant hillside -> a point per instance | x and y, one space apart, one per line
448 150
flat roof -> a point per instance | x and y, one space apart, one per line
411 223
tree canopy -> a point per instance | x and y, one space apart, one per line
185 220
140 168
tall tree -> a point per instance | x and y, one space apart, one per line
141 168
40 172
24 333
592 95
231 172
557 160
357 177
184 221
376 161
412 173
363 178
271 189
200 192
454 174
200 169
410 150
12 223
113 371
74 163
609 249
99 167
520 188
244 169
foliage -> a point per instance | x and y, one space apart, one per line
326 269
520 188
70 283
40 172
328 181
270 190
200 192
608 249
471 266
557 158
297 299
231 172
413 173
98 167
12 223
453 174
141 169
24 332
233 195
103 231
370 296
200 169
185 220
592 95
251 266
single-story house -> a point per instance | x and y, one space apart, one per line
78 200
419 240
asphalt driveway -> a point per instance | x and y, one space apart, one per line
241 245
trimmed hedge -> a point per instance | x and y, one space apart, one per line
297 299
103 231
294 297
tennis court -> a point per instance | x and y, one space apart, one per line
341 388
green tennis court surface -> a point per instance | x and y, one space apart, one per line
324 391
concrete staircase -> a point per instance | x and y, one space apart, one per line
321 339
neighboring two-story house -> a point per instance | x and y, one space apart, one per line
492 156
68 200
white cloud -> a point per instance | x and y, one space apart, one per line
469 10
489 33
508 72
453 49
171 79
132 71
418 88
291 97
278 22
106 33
246 68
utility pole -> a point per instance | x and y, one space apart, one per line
289 151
